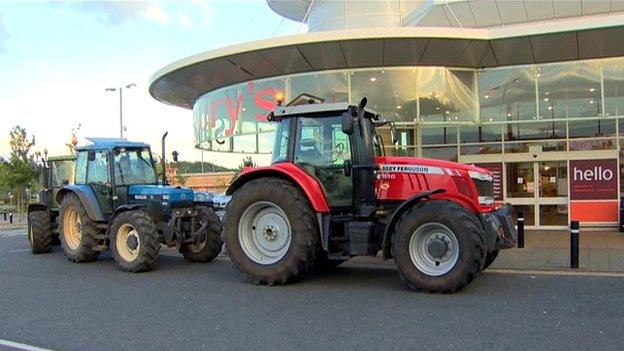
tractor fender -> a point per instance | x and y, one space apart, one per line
288 171
37 207
394 218
87 199
125 208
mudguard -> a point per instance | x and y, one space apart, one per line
394 218
87 198
310 186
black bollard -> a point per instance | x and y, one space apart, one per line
520 229
11 217
4 216
574 244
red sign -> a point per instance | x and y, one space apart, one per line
497 174
593 179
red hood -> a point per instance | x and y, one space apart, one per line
395 160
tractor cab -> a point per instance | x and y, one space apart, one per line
117 201
122 173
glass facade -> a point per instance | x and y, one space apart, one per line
562 106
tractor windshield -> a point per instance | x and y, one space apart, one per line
62 172
134 166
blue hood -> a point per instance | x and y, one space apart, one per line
167 194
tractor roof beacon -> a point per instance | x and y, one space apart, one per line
117 200
332 193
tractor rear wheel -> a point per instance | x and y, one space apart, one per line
490 257
39 232
210 247
438 247
271 233
77 232
134 241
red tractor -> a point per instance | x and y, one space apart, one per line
331 193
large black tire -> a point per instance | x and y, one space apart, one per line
40 233
431 219
79 247
211 246
286 201
490 257
134 225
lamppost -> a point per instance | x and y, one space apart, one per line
120 89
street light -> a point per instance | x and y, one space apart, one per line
120 89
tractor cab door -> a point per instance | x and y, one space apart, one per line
98 178
321 149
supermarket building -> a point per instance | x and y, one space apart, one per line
531 89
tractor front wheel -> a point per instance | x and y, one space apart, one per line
438 247
134 241
77 232
40 232
210 247
271 233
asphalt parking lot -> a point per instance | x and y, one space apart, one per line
50 303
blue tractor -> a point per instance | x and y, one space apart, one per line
117 201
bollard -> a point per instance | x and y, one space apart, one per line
520 230
11 217
4 216
574 244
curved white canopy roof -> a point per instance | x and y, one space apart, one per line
182 82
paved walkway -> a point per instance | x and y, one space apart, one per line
600 251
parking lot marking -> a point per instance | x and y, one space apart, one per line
12 235
19 250
20 346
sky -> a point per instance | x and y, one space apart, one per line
57 58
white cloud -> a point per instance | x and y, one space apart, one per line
185 21
157 14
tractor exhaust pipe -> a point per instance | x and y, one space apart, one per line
164 162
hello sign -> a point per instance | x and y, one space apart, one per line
593 179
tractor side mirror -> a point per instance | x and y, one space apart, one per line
175 155
347 123
394 134
91 156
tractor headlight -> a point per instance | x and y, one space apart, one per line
486 200
480 176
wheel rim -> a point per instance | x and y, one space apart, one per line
72 228
128 242
264 233
434 249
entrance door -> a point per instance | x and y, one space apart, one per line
540 190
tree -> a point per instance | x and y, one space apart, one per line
20 170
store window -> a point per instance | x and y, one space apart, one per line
391 93
446 95
535 130
444 134
507 94
331 87
591 128
613 72
480 133
569 90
